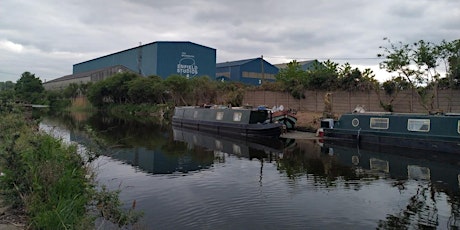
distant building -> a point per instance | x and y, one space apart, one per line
85 77
305 65
249 71
162 58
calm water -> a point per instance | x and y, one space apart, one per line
186 180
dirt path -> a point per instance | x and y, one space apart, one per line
10 219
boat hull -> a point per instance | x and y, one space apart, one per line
400 141
440 133
249 123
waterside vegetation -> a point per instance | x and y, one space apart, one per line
49 181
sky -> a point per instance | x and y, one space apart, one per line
46 37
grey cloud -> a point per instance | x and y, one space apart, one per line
238 29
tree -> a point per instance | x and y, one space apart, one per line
353 79
294 79
417 63
29 89
392 88
323 76
146 90
203 90
8 85
179 87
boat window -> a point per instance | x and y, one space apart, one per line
195 114
355 122
379 123
219 116
458 126
418 125
237 116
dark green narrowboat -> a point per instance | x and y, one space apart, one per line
228 121
439 132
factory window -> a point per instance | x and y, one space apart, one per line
379 123
418 125
258 75
223 74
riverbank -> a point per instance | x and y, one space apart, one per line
48 184
11 219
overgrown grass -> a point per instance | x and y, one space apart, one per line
50 181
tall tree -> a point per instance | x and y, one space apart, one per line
29 88
417 63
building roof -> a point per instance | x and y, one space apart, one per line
140 46
301 63
85 74
234 63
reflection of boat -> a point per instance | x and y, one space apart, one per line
250 148
417 131
400 163
227 121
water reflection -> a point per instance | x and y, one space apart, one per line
183 179
437 173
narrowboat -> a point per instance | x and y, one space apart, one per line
286 117
223 120
437 132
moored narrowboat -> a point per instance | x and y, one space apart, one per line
439 132
285 117
225 120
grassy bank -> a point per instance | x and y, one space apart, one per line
50 181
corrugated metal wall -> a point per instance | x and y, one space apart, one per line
159 58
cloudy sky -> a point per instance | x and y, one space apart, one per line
46 37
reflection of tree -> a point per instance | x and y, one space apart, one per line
325 169
420 213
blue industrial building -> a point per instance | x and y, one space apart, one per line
249 71
304 65
161 58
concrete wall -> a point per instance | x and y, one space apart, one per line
343 101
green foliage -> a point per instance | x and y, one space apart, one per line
98 94
203 90
354 80
395 85
108 204
49 179
29 89
146 90
418 63
111 90
232 92
7 85
294 79
56 100
323 76
179 88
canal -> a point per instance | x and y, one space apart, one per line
182 179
